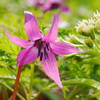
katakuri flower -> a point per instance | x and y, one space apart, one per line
43 46
48 5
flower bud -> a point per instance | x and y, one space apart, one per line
87 27
88 42
74 39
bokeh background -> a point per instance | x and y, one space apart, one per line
80 73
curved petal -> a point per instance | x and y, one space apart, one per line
64 9
21 42
35 2
26 56
62 48
57 1
51 4
50 68
39 3
46 6
31 26
52 35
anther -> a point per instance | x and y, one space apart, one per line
41 56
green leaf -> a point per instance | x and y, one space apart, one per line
80 81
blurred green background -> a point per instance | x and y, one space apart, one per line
80 73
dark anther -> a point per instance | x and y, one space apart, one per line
39 49
55 6
47 46
43 48
45 53
41 56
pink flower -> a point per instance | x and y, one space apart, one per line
48 5
43 46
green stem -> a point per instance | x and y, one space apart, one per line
11 89
95 42
97 45
31 82
80 81
64 93
74 91
96 94
17 83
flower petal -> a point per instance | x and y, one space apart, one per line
51 69
64 9
52 35
57 1
46 6
51 5
39 3
21 42
31 26
26 56
35 2
62 48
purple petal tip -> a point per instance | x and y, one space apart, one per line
28 16
27 12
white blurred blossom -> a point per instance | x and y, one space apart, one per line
86 26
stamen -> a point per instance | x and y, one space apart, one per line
41 56
43 48
47 46
39 49
55 6
45 53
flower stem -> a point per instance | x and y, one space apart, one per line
16 83
31 82
64 94
10 88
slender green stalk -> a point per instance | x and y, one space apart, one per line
96 94
11 89
64 93
95 42
31 82
72 93
80 81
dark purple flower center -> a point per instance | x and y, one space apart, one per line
43 48
55 6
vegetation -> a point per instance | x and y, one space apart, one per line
80 73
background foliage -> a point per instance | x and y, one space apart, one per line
80 73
